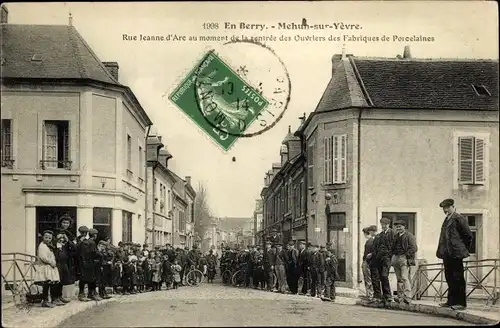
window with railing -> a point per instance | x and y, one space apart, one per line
7 151
56 145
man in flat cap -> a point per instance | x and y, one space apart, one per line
314 268
455 242
87 254
404 249
381 263
303 265
280 268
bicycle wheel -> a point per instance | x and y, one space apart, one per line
226 277
194 277
236 279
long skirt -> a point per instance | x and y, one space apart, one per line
45 272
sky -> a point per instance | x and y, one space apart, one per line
464 29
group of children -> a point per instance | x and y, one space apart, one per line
134 271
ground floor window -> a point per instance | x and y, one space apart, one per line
127 227
408 218
102 222
47 218
336 222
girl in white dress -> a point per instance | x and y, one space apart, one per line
47 273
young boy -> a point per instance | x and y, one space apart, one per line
140 275
117 274
166 272
331 276
176 270
127 276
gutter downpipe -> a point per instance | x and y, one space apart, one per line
146 185
303 149
359 192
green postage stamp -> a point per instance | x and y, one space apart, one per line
219 101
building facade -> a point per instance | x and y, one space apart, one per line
258 217
160 208
283 195
183 212
73 139
392 137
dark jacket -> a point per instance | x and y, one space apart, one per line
269 258
303 260
369 248
409 245
318 261
383 244
87 255
65 263
455 239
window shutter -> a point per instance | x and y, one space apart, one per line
66 143
343 159
479 161
466 152
336 158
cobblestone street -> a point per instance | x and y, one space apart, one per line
216 305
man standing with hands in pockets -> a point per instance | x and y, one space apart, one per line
454 244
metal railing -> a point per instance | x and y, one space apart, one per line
480 276
44 164
18 274
8 163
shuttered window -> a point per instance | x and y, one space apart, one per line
56 145
471 152
310 165
335 169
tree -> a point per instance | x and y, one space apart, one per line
202 215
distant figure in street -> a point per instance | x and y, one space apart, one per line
404 249
269 263
314 268
369 233
322 270
381 263
455 241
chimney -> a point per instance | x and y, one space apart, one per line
164 156
407 53
112 68
188 179
5 15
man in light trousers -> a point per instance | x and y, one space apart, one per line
404 249
280 268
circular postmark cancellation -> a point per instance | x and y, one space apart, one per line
239 91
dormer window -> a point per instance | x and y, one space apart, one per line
36 58
481 90
284 149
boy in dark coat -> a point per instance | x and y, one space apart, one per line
101 265
166 272
127 276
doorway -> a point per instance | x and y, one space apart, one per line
337 236
475 225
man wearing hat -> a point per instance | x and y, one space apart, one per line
315 268
381 263
303 264
87 254
455 242
404 249
292 273
269 259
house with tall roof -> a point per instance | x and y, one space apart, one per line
393 137
73 139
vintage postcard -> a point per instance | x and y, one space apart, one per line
260 163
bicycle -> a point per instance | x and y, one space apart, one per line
194 277
238 278
226 277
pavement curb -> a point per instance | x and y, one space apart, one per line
56 316
433 310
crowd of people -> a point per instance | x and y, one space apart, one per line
100 266
276 269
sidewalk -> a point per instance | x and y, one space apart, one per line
476 312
